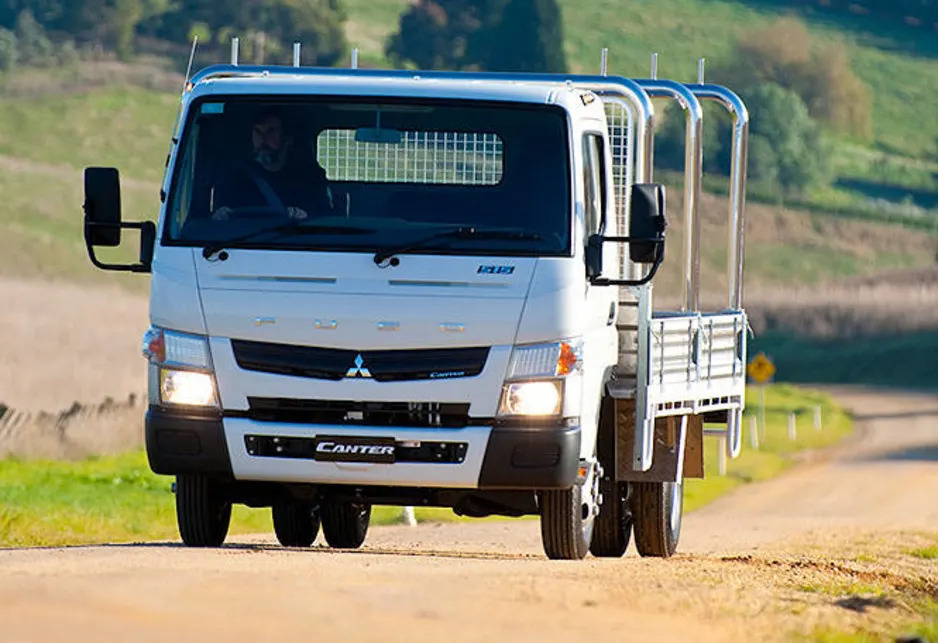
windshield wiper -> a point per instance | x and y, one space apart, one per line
463 232
293 227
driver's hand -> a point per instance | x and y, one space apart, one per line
222 214
296 213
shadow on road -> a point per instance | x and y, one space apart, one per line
921 453
903 415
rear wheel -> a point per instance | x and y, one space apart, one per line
657 509
613 528
567 518
345 524
296 523
203 513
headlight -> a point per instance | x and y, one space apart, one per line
557 359
531 398
187 388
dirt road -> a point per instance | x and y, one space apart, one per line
824 546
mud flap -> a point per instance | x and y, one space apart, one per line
677 449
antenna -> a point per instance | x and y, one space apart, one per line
234 50
195 43
296 54
700 70
604 62
355 58
654 66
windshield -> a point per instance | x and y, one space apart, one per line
395 171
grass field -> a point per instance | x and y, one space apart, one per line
116 499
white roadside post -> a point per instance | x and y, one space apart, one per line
407 514
753 434
817 418
792 430
760 370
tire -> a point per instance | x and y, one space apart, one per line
345 524
202 512
657 511
612 529
566 522
296 523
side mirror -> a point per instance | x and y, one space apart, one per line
594 256
102 207
647 221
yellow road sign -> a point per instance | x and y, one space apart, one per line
761 369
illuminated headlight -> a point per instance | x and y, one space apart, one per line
187 388
542 398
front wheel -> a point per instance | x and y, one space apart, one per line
613 527
567 518
345 524
657 509
202 511
296 523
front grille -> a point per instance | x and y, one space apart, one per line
382 366
338 412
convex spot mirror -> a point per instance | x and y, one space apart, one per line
647 221
102 206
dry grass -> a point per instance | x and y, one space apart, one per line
895 302
61 342
74 434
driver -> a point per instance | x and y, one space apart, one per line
274 178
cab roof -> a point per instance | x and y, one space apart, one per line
285 81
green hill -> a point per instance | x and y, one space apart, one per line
682 31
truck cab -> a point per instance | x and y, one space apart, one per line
418 289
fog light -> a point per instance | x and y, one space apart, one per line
531 398
188 388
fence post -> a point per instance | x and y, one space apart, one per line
817 418
721 455
407 513
792 430
753 433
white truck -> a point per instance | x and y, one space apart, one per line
467 322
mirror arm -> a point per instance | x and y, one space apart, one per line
147 232
659 257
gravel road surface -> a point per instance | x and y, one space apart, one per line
768 561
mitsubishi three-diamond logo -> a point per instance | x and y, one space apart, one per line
358 370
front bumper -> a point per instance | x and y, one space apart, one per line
496 458
180 442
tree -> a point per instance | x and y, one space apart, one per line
504 35
527 35
435 34
267 28
782 128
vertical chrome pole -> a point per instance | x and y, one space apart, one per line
296 54
693 169
234 50
355 58
604 62
737 202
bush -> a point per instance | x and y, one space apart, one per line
785 55
8 49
